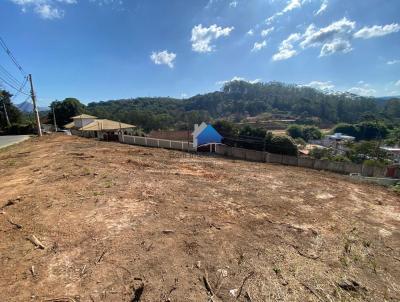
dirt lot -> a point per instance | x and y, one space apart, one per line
125 223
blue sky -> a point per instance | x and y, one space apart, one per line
109 49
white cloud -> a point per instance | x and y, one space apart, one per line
267 31
250 32
202 37
163 57
286 50
333 38
321 85
338 45
397 83
48 12
364 91
393 62
236 78
322 8
259 45
337 30
269 20
46 9
291 5
377 31
233 4
51 9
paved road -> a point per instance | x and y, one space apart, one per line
9 140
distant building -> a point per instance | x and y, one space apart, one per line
205 135
393 152
90 126
339 137
336 141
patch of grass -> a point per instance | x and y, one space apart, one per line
12 163
108 184
86 171
396 188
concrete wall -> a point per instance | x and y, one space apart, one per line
155 142
258 156
305 162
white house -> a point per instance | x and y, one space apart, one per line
90 126
83 120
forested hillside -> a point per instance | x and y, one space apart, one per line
240 99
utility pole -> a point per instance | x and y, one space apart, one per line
54 117
5 109
35 110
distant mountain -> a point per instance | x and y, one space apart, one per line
388 97
28 107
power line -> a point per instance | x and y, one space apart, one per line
10 76
10 54
19 90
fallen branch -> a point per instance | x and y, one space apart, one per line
33 271
244 281
207 283
101 256
36 242
18 226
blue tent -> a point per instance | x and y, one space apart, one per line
208 135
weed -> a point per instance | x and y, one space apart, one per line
12 163
108 184
85 171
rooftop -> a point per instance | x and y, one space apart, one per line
82 116
103 124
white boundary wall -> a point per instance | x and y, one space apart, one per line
155 142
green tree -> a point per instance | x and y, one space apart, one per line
311 132
282 145
226 128
372 130
392 108
295 131
65 110
14 114
254 132
347 129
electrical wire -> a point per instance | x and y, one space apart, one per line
19 90
10 54
10 77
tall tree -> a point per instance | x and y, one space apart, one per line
13 113
65 110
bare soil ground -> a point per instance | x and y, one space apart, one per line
125 223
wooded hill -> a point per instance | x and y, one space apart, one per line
240 99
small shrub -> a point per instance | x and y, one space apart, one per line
282 145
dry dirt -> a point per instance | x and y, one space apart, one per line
126 223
